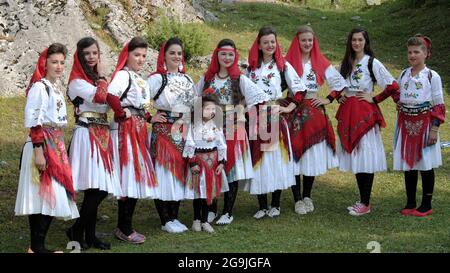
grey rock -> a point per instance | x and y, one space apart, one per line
27 27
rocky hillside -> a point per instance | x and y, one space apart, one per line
27 27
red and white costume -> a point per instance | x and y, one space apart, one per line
312 135
273 167
359 122
49 192
206 147
239 161
168 139
421 105
91 148
130 140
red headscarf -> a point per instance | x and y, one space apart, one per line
233 71
78 71
160 65
427 42
318 62
122 61
253 56
40 70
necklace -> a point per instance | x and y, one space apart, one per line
222 78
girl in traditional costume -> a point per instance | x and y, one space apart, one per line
359 117
420 112
91 149
129 97
272 159
45 184
234 92
172 92
207 151
312 135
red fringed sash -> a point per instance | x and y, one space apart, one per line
208 162
100 137
255 145
58 166
168 152
309 126
414 135
355 119
135 129
235 145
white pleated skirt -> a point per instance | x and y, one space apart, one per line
130 188
316 160
273 172
243 169
201 193
88 170
431 157
29 201
169 187
367 157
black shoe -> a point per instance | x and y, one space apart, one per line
99 244
71 236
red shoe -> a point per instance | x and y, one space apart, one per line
407 212
421 214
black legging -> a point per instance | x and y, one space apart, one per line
229 199
125 215
167 210
262 200
365 182
87 221
39 225
411 178
307 187
200 210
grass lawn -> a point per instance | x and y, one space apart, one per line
329 228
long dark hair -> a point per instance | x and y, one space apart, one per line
263 32
81 45
235 88
349 57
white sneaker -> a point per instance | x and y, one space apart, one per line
260 214
225 219
211 216
171 227
180 225
357 203
300 207
207 227
196 226
274 212
309 206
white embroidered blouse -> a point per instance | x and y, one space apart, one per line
268 79
138 95
44 108
251 92
205 135
419 89
360 79
178 94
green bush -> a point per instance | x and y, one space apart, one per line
194 42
